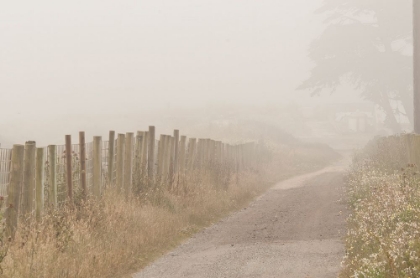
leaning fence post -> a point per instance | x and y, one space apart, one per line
69 169
52 175
28 190
14 190
40 164
97 166
120 161
151 155
82 148
128 163
111 153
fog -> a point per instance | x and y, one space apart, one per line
122 65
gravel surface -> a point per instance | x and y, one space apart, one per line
294 230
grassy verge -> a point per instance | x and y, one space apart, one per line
114 237
383 237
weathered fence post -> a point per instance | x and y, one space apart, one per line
182 158
136 180
128 164
144 154
227 154
191 153
166 149
111 156
151 155
40 169
138 147
97 166
206 153
176 152
82 149
209 154
69 169
240 156
14 190
200 153
160 157
28 190
120 162
52 175
219 153
171 160
212 152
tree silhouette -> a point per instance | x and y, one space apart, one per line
369 44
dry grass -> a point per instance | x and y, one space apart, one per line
114 237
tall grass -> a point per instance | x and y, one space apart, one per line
115 236
383 237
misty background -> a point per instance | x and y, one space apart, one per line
124 65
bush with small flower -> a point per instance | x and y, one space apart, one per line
383 238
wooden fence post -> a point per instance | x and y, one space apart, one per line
14 190
128 164
229 156
120 162
97 166
240 157
166 149
69 169
222 153
206 145
40 169
52 175
212 150
237 161
82 149
205 152
160 157
176 152
111 157
28 190
138 146
191 153
200 153
151 155
144 154
219 153
171 156
182 158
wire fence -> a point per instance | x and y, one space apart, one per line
130 164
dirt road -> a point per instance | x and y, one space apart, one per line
293 230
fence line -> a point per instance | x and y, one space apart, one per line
32 179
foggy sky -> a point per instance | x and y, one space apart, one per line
121 56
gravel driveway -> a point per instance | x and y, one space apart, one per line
294 230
